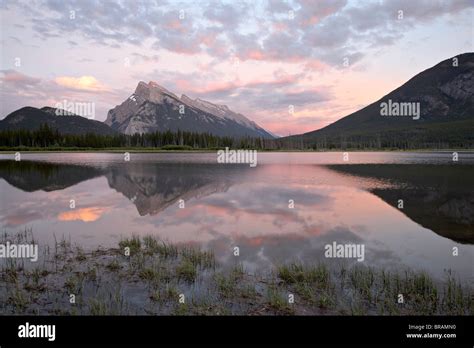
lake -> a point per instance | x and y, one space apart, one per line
288 207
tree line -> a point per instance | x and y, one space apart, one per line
47 137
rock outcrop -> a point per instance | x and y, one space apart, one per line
153 108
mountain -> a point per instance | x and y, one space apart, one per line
151 187
446 112
435 195
154 108
30 118
31 176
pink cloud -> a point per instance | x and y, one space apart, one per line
16 78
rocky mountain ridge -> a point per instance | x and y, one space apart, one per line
154 108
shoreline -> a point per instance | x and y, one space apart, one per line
152 150
147 276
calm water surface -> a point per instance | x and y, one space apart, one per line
236 205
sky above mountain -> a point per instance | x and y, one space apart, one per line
290 66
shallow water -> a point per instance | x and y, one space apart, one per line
229 205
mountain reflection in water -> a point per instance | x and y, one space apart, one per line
228 205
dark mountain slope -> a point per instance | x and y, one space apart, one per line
30 118
445 94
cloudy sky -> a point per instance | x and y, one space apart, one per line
323 59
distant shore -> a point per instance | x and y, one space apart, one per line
213 150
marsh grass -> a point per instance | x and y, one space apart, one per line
167 293
186 270
312 283
455 298
134 244
208 307
34 284
198 258
297 273
155 246
19 299
156 273
277 301
227 283
74 283
113 265
80 256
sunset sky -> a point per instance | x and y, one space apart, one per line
326 58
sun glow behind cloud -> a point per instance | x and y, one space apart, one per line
87 83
